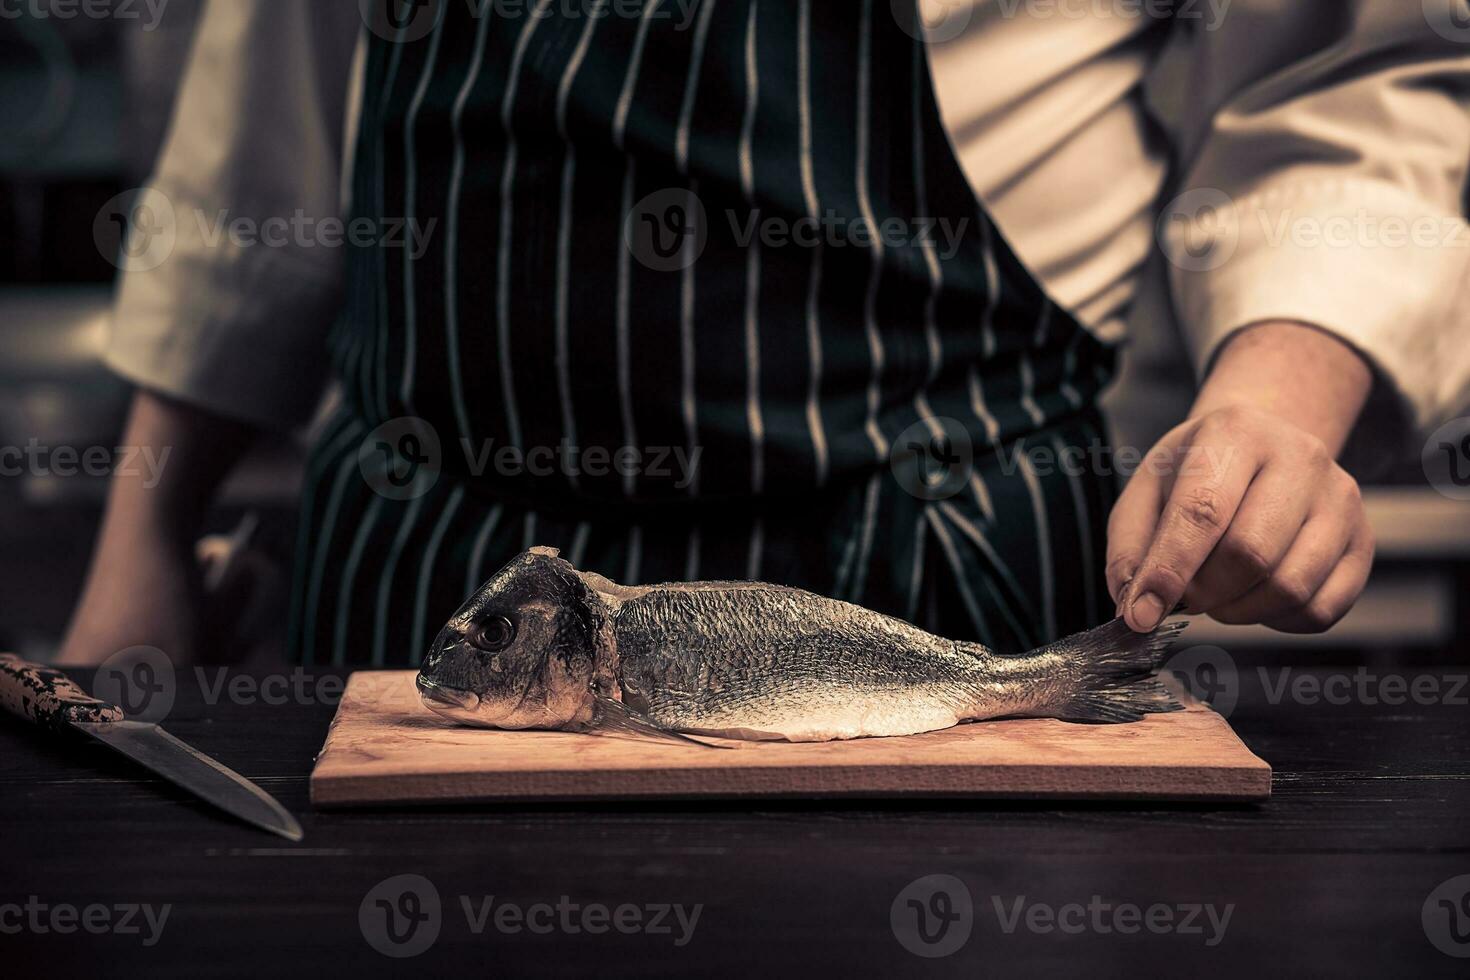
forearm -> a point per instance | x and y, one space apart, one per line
195 450
143 586
1292 370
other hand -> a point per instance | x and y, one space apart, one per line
1242 511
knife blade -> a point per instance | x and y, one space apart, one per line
47 697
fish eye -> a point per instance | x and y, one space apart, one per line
491 635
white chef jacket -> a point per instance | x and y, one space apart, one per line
1216 163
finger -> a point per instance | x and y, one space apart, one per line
1338 593
1271 516
1213 477
1131 527
1312 557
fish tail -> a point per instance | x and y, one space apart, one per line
1116 672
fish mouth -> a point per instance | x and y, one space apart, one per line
438 697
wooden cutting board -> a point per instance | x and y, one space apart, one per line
384 747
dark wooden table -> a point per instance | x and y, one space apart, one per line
1371 814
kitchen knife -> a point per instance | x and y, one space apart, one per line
47 697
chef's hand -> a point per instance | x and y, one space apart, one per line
143 587
1242 512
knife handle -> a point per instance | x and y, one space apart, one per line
48 697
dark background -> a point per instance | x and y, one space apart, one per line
1368 809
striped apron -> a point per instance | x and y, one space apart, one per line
656 233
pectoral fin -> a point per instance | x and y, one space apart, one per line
615 717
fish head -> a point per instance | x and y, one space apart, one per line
523 652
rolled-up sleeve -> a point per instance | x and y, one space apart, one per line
1325 146
230 308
